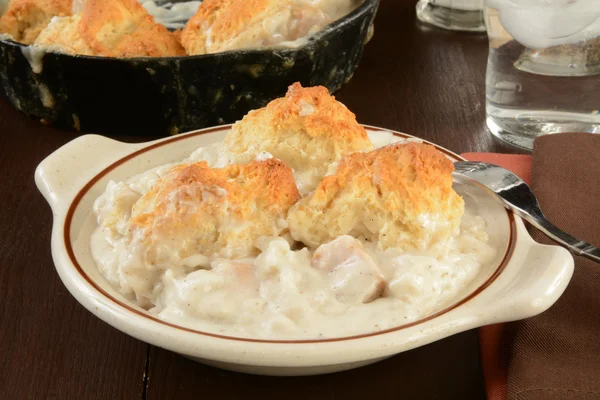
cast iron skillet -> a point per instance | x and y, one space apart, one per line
177 94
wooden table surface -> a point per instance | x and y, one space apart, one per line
419 80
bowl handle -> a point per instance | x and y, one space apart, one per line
63 172
528 288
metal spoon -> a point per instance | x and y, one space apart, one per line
519 198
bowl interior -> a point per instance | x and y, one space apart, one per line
477 199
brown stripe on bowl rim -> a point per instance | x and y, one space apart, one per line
95 179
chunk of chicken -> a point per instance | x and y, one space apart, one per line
352 273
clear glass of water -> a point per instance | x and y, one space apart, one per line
457 15
543 72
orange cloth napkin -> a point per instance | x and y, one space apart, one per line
495 340
555 355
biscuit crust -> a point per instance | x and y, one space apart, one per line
25 19
195 209
307 129
221 25
123 28
111 28
400 196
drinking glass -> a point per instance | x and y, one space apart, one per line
543 72
458 15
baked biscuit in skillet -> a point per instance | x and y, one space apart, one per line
222 25
111 28
25 19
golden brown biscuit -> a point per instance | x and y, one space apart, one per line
194 209
24 19
307 129
123 28
221 25
400 196
112 28
63 34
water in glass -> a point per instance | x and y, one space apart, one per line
543 73
458 15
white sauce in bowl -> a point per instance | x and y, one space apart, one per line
284 292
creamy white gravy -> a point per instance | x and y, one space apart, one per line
284 293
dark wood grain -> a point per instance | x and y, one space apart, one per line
448 369
51 346
416 79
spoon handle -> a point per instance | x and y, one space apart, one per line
576 246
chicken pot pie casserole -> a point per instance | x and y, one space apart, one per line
296 226
132 28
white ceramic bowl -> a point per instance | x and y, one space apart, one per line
525 279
